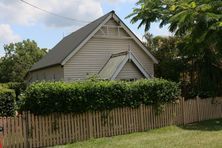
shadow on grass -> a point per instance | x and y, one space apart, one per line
209 125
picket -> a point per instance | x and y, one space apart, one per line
28 130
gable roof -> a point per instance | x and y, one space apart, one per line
69 45
116 63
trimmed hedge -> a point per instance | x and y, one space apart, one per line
7 102
48 97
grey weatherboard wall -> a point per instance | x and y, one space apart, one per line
92 56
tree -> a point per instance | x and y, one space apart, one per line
149 40
171 65
199 25
182 16
18 59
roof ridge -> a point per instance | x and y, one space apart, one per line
68 44
107 14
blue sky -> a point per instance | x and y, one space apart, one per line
20 21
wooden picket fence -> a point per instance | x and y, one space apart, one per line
28 130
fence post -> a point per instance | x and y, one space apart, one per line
90 124
25 129
183 110
1 133
198 110
141 117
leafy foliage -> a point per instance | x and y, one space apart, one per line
183 16
7 102
171 65
48 97
16 86
18 59
198 25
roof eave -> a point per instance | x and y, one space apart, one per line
37 69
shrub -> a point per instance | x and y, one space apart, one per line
48 97
16 86
7 102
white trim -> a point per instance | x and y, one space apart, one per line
102 31
120 67
131 56
112 37
115 17
86 40
107 30
132 35
111 26
139 66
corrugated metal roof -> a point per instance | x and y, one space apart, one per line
67 45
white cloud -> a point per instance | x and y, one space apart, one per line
157 31
17 12
7 35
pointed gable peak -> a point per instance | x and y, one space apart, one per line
70 44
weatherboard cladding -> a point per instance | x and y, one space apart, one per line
53 73
96 52
130 71
71 43
67 45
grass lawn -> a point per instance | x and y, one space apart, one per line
207 134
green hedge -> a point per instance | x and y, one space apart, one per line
7 102
48 97
16 86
